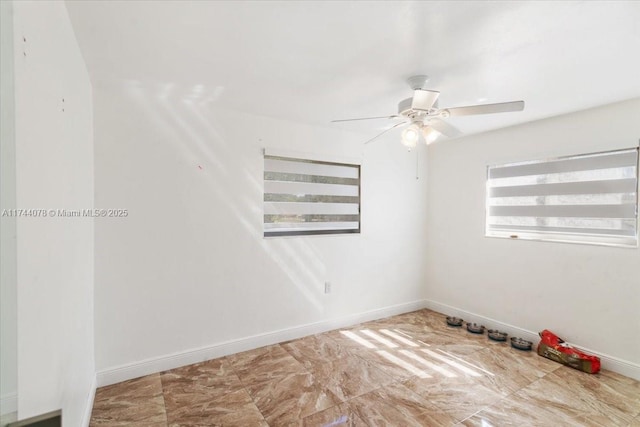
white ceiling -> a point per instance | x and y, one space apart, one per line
317 61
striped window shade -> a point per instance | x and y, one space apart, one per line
304 197
590 198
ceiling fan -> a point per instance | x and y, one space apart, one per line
424 117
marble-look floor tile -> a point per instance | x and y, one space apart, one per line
408 358
393 338
405 370
518 413
138 401
540 365
264 364
210 394
337 416
212 377
460 350
291 398
435 321
393 324
615 390
459 396
422 317
349 376
395 405
601 394
445 338
464 336
395 364
317 348
565 400
606 375
508 368
443 365
352 339
235 409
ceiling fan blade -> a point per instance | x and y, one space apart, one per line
394 116
424 99
502 107
444 128
385 131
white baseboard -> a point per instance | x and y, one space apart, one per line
89 408
610 363
8 403
176 360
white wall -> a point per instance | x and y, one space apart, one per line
54 170
589 295
8 298
189 268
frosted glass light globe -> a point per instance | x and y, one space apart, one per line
410 136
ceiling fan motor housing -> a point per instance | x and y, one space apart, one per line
422 104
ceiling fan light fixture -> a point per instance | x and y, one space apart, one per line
410 136
430 134
425 116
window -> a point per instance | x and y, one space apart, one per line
303 197
590 198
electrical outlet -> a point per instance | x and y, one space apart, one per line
327 287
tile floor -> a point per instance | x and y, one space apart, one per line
407 370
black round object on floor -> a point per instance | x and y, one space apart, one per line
521 344
475 328
496 335
454 321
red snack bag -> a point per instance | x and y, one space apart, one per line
553 347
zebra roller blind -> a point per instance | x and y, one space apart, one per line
303 197
590 198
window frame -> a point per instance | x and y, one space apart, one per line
564 237
319 160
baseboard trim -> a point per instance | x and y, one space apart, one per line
8 403
171 361
612 363
86 419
